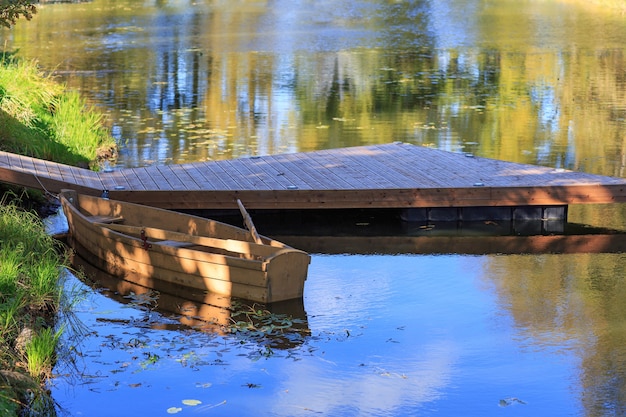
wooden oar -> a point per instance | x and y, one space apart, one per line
231 245
247 220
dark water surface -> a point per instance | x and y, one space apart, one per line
386 334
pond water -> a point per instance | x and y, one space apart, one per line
387 332
382 336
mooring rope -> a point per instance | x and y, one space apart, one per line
46 192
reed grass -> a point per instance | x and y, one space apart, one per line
9 270
41 118
81 131
10 311
40 352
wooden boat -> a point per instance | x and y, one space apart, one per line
141 243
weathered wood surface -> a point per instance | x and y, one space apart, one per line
223 259
378 176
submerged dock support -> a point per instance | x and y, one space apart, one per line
524 219
442 214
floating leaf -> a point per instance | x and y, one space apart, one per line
505 402
174 410
192 402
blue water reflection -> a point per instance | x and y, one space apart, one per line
389 335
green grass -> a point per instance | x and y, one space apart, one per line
9 270
10 324
30 264
41 118
80 131
40 352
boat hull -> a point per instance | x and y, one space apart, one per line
270 272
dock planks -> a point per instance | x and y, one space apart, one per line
379 176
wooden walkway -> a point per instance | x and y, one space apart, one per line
380 176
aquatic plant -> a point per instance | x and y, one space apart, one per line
40 352
258 324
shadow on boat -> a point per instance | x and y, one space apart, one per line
281 325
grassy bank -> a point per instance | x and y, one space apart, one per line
30 264
37 118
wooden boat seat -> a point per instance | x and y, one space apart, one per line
175 243
106 219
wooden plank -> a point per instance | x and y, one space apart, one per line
156 176
244 181
105 219
358 172
457 171
289 174
446 169
220 171
322 175
86 178
171 178
231 245
209 173
282 177
15 177
133 180
264 171
301 199
54 171
416 171
203 182
186 180
259 179
324 167
556 195
27 165
294 162
4 159
146 178
40 168
339 169
112 180
375 171
14 160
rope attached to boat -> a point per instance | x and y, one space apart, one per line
46 192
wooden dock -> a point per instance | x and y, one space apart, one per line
393 175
